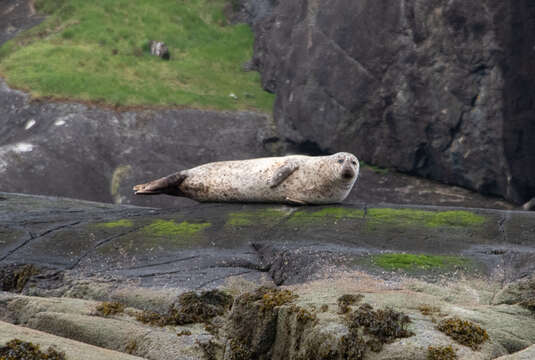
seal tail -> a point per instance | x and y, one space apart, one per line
169 185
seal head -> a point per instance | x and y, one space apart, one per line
346 166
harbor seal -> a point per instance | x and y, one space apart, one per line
295 179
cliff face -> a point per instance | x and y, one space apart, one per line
442 89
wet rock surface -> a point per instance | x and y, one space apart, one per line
60 258
16 16
40 140
203 244
441 89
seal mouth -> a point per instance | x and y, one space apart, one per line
348 174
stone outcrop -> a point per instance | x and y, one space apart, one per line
442 89
83 253
85 152
158 48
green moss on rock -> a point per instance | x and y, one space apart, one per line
431 219
166 228
414 262
464 332
116 224
255 217
306 216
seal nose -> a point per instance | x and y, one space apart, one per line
348 173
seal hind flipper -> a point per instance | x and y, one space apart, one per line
166 185
282 173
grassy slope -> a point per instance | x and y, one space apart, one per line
71 55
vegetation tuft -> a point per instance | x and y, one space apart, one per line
273 297
17 349
528 304
107 308
464 332
190 308
346 300
441 353
97 51
14 278
385 324
427 310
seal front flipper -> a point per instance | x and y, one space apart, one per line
166 185
296 201
282 173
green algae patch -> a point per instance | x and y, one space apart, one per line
167 228
417 262
430 219
326 214
116 224
256 217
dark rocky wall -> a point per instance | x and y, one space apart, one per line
90 153
429 87
518 40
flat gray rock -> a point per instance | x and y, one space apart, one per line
204 244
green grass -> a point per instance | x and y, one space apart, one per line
98 51
376 169
414 262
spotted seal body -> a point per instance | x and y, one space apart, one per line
288 179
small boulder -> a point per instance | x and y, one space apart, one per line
159 48
529 206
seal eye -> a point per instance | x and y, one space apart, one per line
354 162
341 161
